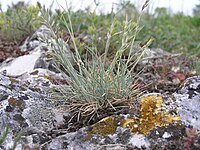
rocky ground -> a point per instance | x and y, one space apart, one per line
166 117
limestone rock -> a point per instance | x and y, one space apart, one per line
188 99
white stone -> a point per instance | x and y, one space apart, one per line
22 64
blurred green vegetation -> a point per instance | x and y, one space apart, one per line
18 22
172 32
176 33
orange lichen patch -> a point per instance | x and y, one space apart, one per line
127 122
46 76
34 72
151 115
13 80
14 102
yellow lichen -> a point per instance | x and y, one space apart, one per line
128 122
151 115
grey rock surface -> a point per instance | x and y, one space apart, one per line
118 141
25 107
188 100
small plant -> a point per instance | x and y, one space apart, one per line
97 85
4 136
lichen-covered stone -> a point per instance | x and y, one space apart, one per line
24 105
151 115
188 100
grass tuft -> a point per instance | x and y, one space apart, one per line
97 85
